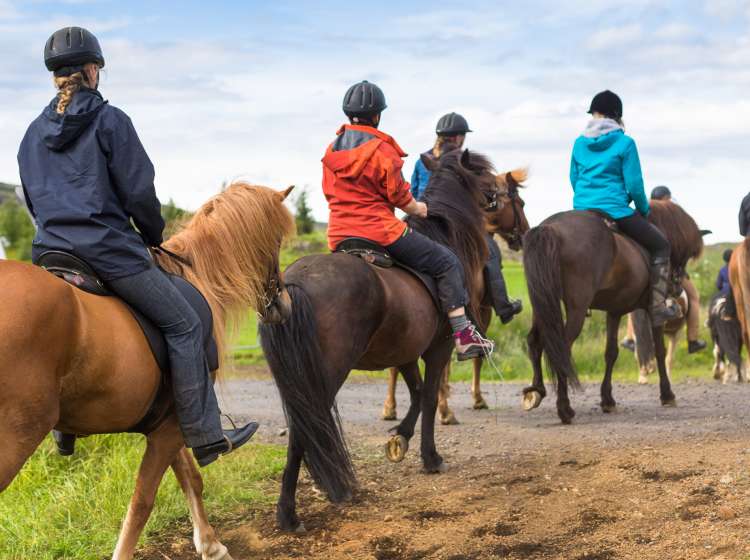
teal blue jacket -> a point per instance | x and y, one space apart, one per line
420 177
606 175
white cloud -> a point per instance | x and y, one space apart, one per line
614 37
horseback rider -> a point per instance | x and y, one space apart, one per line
451 132
693 320
745 216
363 184
87 179
605 173
722 279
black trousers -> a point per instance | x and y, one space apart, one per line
493 272
645 234
430 257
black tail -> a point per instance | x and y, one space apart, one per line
644 337
308 395
541 262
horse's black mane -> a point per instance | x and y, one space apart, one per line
455 212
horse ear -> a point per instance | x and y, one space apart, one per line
429 162
465 159
285 193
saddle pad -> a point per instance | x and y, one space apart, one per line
376 255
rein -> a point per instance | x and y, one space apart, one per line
174 256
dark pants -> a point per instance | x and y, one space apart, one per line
421 253
645 234
151 293
493 273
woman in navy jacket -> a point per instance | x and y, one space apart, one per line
87 179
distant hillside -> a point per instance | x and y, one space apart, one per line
6 190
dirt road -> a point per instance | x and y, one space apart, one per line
646 482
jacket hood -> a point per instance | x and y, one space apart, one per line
60 130
349 163
600 134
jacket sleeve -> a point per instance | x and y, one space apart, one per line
631 172
573 171
396 190
745 216
415 181
132 176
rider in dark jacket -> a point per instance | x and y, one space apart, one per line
85 176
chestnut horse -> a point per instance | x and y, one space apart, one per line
575 258
739 279
79 362
348 314
507 219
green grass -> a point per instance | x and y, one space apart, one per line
72 508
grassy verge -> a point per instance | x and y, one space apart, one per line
72 508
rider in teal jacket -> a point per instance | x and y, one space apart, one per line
606 176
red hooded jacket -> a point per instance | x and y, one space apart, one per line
363 183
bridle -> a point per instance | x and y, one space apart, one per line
271 293
515 234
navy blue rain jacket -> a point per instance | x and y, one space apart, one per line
85 175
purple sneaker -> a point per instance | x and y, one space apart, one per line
470 344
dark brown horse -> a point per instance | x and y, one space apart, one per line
507 219
575 258
348 314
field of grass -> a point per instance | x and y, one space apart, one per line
72 508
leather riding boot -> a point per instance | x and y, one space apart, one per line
662 308
207 454
504 307
66 443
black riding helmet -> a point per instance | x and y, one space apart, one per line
608 104
69 48
661 193
363 100
452 124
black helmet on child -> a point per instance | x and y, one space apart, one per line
661 193
363 100
728 255
608 104
452 124
69 48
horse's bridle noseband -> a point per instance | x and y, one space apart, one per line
515 235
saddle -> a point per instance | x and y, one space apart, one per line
78 273
376 255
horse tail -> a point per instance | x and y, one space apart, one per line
308 396
644 338
541 262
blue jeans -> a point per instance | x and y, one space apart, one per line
151 293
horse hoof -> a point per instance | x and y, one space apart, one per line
642 380
531 400
389 415
608 408
396 448
440 469
481 404
227 556
449 420
300 530
671 403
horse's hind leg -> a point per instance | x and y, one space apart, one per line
608 403
573 325
665 387
162 446
445 413
204 537
398 444
476 390
533 395
286 508
389 406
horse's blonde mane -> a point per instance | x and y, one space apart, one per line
232 243
519 176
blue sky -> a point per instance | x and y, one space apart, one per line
223 90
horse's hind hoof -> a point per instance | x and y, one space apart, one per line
300 529
642 380
480 404
396 448
609 408
531 399
389 414
439 469
449 420
671 403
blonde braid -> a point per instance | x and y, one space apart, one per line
68 86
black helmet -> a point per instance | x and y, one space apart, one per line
661 193
452 124
69 48
728 255
608 104
363 100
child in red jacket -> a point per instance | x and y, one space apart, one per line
363 184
